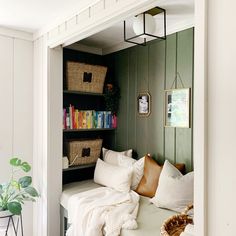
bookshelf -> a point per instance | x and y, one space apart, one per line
84 101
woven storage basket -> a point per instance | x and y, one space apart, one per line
176 224
81 152
85 78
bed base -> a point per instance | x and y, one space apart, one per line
63 221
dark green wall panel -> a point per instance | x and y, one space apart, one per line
122 72
170 66
142 86
132 90
152 69
156 84
185 69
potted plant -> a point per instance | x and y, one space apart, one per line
17 190
112 97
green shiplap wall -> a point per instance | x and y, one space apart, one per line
153 68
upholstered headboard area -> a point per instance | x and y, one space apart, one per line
153 69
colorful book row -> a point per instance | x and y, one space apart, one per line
87 119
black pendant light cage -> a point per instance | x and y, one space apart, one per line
140 39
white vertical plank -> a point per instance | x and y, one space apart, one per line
6 104
55 140
23 113
200 125
221 139
39 140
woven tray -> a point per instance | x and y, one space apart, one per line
85 78
81 152
176 224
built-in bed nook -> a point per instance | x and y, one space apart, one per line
135 170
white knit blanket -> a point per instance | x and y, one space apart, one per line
102 211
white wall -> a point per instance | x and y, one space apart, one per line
47 137
40 137
16 103
221 174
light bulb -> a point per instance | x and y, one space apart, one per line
138 26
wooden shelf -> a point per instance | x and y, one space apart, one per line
79 167
85 130
82 93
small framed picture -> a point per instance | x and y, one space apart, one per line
177 108
144 104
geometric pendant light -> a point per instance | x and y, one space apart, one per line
145 27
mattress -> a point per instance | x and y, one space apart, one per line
76 187
150 218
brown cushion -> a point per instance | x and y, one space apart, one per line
152 170
149 182
180 167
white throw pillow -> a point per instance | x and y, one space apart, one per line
137 167
116 177
175 191
111 156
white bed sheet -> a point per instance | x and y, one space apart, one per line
150 218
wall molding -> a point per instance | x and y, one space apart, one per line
59 21
94 20
16 34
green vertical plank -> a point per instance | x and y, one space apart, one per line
132 103
169 149
185 69
122 76
156 85
142 86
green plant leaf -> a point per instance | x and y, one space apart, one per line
31 191
25 166
14 207
15 161
15 184
20 200
25 181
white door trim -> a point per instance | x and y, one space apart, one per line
200 118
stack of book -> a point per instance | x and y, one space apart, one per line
87 119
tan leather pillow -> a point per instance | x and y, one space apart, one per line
149 182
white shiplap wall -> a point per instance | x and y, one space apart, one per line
16 103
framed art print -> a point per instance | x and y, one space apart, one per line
177 108
144 104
